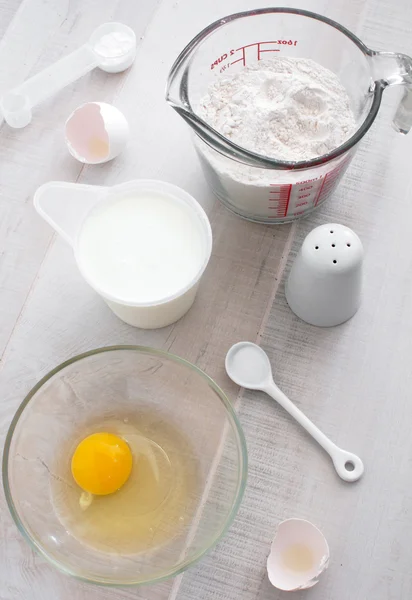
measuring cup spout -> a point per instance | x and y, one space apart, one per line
177 95
390 68
65 205
178 98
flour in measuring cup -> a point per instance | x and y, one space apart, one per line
286 108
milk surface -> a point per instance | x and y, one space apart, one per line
141 248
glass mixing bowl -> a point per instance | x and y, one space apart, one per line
123 384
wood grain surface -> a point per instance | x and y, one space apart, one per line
354 381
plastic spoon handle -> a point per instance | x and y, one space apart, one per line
348 466
59 75
17 104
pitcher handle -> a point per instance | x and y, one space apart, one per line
390 68
65 205
402 120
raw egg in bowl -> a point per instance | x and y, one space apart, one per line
124 465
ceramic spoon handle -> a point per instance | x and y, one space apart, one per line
348 466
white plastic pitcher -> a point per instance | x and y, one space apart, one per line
68 206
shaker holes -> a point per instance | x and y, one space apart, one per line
334 262
316 247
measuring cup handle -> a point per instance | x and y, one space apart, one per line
402 120
394 68
65 205
348 466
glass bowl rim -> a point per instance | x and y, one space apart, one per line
241 451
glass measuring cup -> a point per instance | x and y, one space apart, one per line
254 186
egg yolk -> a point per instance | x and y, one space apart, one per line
101 463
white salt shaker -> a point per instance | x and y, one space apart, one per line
324 284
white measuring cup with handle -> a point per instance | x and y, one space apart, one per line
159 235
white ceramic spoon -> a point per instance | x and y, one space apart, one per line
248 366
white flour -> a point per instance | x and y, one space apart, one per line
114 44
286 108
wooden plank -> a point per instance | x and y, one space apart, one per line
8 10
338 376
62 316
352 380
40 34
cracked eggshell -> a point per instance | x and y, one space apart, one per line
96 132
298 556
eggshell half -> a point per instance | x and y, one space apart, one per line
298 555
96 132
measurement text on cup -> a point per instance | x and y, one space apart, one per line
239 54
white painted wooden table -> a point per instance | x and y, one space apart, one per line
354 381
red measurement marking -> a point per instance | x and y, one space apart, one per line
243 59
280 197
260 50
330 181
320 191
307 181
270 50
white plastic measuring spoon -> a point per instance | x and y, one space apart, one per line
111 47
248 366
